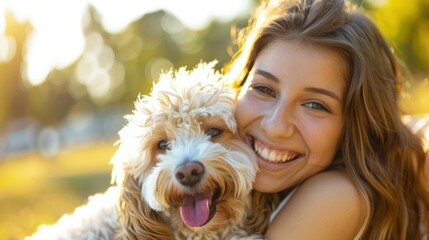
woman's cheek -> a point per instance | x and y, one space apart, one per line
246 109
322 136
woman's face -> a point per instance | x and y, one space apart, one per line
290 112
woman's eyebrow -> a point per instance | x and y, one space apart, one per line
266 75
309 89
324 92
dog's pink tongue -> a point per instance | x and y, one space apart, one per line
195 210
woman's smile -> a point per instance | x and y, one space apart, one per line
274 155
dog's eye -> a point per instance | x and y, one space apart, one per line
162 145
213 132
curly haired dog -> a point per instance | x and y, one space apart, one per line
182 170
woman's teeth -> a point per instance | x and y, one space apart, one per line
273 156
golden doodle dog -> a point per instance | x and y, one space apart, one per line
181 170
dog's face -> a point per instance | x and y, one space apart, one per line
181 145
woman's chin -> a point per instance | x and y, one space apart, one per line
267 184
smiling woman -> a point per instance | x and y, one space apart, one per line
318 103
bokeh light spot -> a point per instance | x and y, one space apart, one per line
156 66
7 48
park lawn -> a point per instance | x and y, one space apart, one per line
35 190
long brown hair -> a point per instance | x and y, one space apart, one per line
381 155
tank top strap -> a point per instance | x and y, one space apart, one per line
282 203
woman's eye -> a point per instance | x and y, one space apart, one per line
163 145
264 90
317 106
213 132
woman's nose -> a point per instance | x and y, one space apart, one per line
277 122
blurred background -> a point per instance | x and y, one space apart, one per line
70 70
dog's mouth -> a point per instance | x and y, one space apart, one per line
197 210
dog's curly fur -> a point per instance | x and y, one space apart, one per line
180 148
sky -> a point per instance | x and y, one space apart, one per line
57 38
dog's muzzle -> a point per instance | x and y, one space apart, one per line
196 209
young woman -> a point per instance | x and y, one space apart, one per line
319 105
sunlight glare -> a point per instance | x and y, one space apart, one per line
204 11
2 19
7 43
7 48
57 38
117 15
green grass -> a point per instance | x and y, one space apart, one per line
35 191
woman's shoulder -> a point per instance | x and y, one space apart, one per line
332 188
332 180
326 206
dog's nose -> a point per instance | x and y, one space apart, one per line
189 173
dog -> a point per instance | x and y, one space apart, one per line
181 171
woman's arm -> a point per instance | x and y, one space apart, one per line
326 206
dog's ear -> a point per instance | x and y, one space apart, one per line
263 204
137 220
